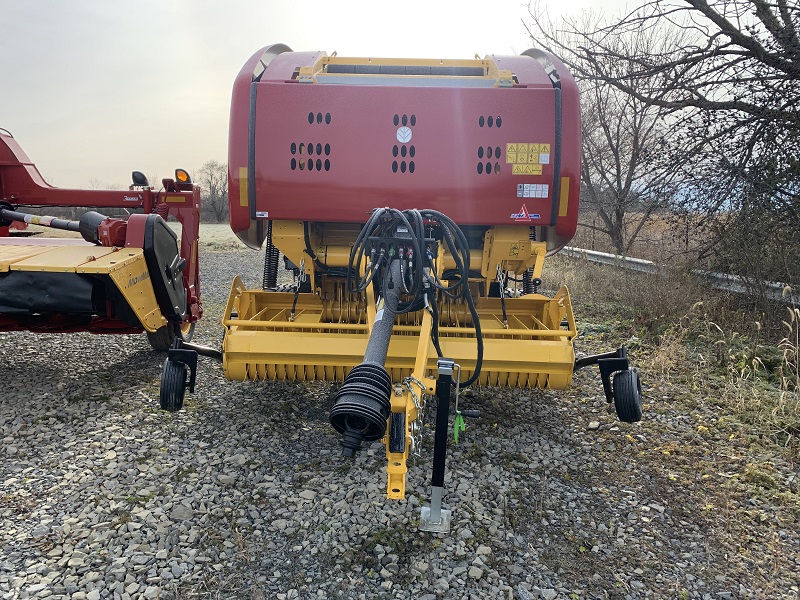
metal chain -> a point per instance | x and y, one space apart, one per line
301 278
417 402
416 446
415 425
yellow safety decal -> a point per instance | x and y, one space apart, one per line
527 158
563 199
243 191
175 199
524 169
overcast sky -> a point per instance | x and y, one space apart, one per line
94 89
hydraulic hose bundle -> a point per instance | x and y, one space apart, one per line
390 232
400 249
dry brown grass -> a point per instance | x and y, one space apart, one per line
663 239
689 335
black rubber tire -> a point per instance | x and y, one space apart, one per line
161 339
187 331
173 386
627 388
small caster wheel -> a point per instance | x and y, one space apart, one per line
627 389
173 385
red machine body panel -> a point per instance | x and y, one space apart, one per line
357 159
334 146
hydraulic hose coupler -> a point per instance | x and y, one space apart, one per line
362 407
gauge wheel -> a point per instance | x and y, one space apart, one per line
173 386
628 396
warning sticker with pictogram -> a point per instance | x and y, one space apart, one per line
533 190
527 158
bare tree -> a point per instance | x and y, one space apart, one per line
629 169
730 55
97 184
729 79
213 182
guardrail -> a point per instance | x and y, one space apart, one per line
778 292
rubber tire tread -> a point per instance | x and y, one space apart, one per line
162 338
173 386
627 388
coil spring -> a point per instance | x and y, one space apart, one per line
162 210
528 287
271 256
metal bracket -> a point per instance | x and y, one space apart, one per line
188 358
608 363
435 518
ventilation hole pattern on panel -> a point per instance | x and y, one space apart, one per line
319 118
488 152
404 149
300 150
490 121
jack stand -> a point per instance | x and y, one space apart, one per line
434 518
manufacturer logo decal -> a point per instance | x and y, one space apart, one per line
404 135
137 198
524 215
138 279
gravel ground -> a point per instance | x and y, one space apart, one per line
244 494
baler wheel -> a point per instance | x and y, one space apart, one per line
161 339
628 396
173 385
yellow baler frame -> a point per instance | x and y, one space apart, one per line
264 341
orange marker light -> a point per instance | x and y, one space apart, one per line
182 176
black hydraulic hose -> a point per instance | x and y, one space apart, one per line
421 278
435 326
336 271
307 240
479 337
